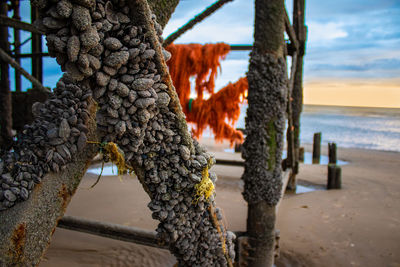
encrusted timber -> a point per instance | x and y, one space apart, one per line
22 241
26 228
141 15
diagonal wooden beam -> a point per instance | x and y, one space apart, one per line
290 31
8 59
198 18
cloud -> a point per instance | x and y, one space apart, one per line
207 33
232 23
325 32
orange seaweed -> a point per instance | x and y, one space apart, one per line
203 62
220 112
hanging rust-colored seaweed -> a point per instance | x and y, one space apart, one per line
222 109
220 112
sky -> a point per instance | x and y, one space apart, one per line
353 47
352 55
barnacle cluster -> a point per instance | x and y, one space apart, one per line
111 59
263 146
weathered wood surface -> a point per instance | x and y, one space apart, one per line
265 123
5 93
113 231
17 24
301 155
291 32
332 153
316 154
17 43
188 220
334 177
297 93
163 9
37 60
290 136
285 180
26 229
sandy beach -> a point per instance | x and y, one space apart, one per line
358 225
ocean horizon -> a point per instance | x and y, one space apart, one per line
351 127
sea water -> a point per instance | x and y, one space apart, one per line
355 127
359 127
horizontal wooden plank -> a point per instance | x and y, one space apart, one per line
17 24
240 47
31 55
111 230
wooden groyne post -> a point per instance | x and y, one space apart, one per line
301 154
332 153
334 171
316 148
334 177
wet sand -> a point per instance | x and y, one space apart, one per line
356 226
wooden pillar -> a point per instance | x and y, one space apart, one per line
265 123
332 153
297 94
301 154
5 93
334 177
316 154
37 60
17 43
291 150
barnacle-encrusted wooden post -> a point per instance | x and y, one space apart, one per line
163 9
114 65
265 123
